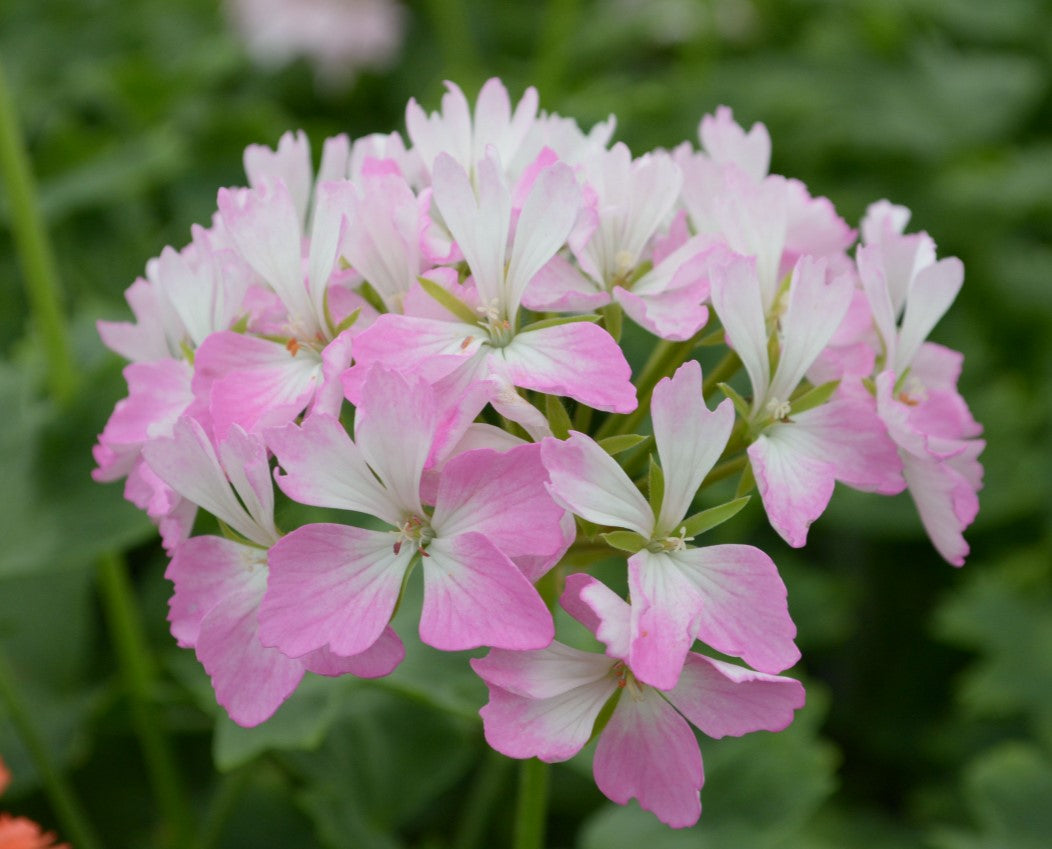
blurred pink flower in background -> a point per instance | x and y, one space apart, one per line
337 37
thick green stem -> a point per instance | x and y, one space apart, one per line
137 673
34 251
74 822
531 807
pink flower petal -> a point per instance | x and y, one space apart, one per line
649 753
475 596
503 497
543 674
729 596
689 437
250 681
726 700
600 610
579 360
590 482
331 585
378 660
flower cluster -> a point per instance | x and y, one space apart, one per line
427 337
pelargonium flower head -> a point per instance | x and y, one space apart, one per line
337 585
545 704
729 596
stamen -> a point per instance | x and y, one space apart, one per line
778 410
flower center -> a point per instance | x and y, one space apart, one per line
626 680
495 324
666 544
778 410
415 531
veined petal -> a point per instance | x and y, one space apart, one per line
187 462
378 660
545 673
560 287
728 596
205 570
552 729
546 220
794 485
591 483
502 496
725 700
250 680
816 308
579 360
395 425
479 225
946 501
600 610
244 459
649 753
331 585
934 289
475 596
324 468
689 437
736 299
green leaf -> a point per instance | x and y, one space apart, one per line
814 397
448 300
347 322
558 418
614 445
624 541
656 486
557 320
708 519
740 404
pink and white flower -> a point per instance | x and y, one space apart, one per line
545 704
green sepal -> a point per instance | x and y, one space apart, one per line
614 445
371 296
628 541
747 482
740 404
612 320
708 519
656 486
901 381
233 535
558 418
555 321
241 325
588 530
814 397
871 386
448 300
347 322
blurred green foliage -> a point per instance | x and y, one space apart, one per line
930 714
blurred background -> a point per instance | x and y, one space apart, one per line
929 717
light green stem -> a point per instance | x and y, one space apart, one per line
531 806
724 369
137 672
74 821
34 251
